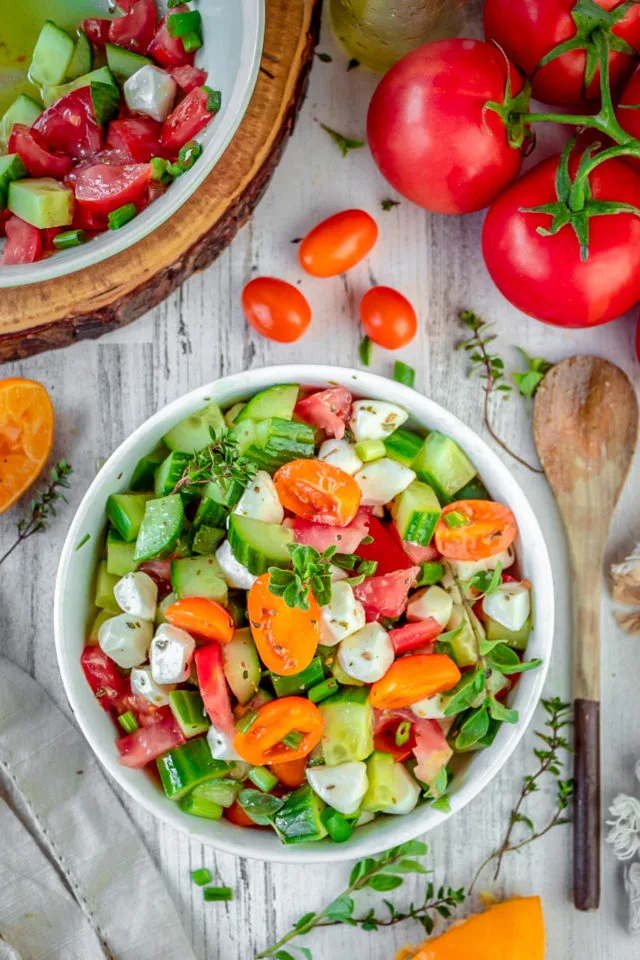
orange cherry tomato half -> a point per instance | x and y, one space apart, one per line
263 741
204 618
481 529
318 491
413 678
286 637
338 243
388 318
276 309
26 436
290 773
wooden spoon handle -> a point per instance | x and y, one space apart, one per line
586 828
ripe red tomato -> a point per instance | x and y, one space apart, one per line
137 139
69 126
169 51
338 243
430 134
327 409
35 156
628 119
188 118
103 187
638 341
388 318
544 276
276 309
188 78
136 28
386 596
528 31
96 30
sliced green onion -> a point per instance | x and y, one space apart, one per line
202 876
246 720
293 739
368 450
70 238
346 561
128 722
364 351
403 373
430 573
366 541
217 893
214 99
160 170
118 218
187 156
403 733
191 41
200 807
323 690
367 568
338 827
180 24
175 3
455 519
263 779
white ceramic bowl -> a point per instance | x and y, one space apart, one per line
73 608
233 34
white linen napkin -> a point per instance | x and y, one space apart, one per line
76 882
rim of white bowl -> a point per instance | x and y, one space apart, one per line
113 242
380 834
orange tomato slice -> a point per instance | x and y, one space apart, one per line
290 773
411 679
318 491
263 741
286 637
202 617
26 436
482 529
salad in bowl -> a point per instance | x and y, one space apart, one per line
308 615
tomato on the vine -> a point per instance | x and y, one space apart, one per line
638 341
276 309
338 243
388 318
628 113
431 134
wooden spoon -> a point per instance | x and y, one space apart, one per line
585 425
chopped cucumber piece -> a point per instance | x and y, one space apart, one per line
299 819
51 55
52 94
170 472
348 726
258 545
82 59
145 470
443 465
298 683
339 674
244 435
125 511
518 639
198 577
237 607
188 765
188 709
464 647
475 490
100 617
416 512
23 110
123 62
161 527
162 606
380 775
194 433
277 401
278 441
232 413
11 168
106 106
43 202
120 555
224 490
105 582
242 666
207 540
210 513
223 791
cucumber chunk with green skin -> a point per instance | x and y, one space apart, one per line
120 555
231 414
242 665
188 710
462 646
125 511
82 59
443 465
416 512
277 401
403 446
518 639
207 540
43 202
297 683
379 794
348 726
106 102
123 62
162 606
170 471
244 435
145 470
161 527
279 441
198 577
475 490
52 94
222 791
23 110
194 433
237 607
210 513
258 545
100 618
105 582
299 819
188 765
51 55
11 168
224 490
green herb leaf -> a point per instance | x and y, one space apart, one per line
385 882
261 807
486 581
220 461
503 714
364 351
443 804
353 63
403 373
529 380
340 910
325 57
473 729
389 204
465 691
84 540
344 144
311 574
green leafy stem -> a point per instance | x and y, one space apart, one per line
42 507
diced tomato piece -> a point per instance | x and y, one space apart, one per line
103 187
23 244
386 596
235 813
136 139
136 29
321 536
418 554
169 51
328 409
107 683
85 220
70 126
35 156
386 550
47 236
188 119
151 741
155 190
213 687
385 726
188 77
431 750
4 216
414 635
96 30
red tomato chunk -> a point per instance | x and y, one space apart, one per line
24 243
187 119
103 187
36 158
149 742
70 126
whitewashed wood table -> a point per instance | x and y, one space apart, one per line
103 390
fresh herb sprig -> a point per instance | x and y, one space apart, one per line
382 874
311 573
221 461
344 144
43 506
530 379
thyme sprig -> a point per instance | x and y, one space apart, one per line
221 460
43 506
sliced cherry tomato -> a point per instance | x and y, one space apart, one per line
136 139
96 30
338 243
188 118
489 529
388 318
69 126
291 773
418 554
329 410
276 309
160 573
431 751
411 679
203 617
135 30
384 735
151 741
414 635
24 243
35 156
213 687
318 491
188 77
321 537
107 683
286 637
169 51
386 596
103 187
263 741
385 550
4 216
48 235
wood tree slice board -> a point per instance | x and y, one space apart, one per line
53 314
